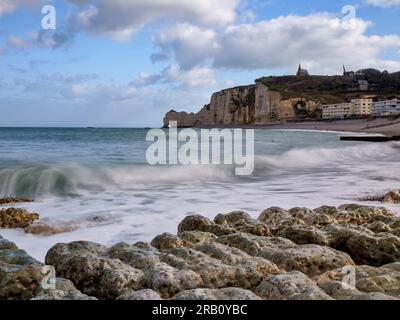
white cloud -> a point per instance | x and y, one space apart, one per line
383 3
9 6
120 19
191 45
193 78
321 42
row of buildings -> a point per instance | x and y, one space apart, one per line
361 108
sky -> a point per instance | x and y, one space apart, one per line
125 63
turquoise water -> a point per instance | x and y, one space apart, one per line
78 174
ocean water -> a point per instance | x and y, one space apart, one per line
98 180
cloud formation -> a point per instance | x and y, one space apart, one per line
9 6
120 19
321 42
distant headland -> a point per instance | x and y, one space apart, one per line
301 97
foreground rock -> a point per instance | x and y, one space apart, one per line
11 218
297 254
21 277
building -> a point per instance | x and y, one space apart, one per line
363 85
302 72
336 111
355 108
347 73
386 108
361 107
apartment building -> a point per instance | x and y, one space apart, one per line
386 108
361 107
336 111
357 107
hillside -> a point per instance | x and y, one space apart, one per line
335 89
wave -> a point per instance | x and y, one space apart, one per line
321 157
72 180
76 179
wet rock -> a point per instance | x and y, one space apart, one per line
43 229
375 250
216 294
392 197
11 218
395 266
139 255
145 294
91 272
328 210
310 259
168 281
303 234
167 241
367 279
214 273
301 213
358 214
5 201
321 220
338 235
290 286
199 223
20 274
242 222
64 290
196 238
378 226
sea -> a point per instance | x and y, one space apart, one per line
98 180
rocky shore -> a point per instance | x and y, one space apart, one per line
350 252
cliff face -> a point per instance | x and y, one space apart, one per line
247 105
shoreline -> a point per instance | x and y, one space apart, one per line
377 126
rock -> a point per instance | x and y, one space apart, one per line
20 274
378 226
93 273
392 197
337 235
65 290
216 294
395 266
43 229
367 280
301 213
310 259
199 223
374 250
358 214
4 201
290 286
196 238
303 234
328 210
11 218
373 296
167 241
145 294
168 281
320 220
139 255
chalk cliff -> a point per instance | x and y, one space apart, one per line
246 105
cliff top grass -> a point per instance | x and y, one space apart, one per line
336 89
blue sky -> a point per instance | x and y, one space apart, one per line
125 63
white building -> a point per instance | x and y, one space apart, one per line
386 108
336 111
